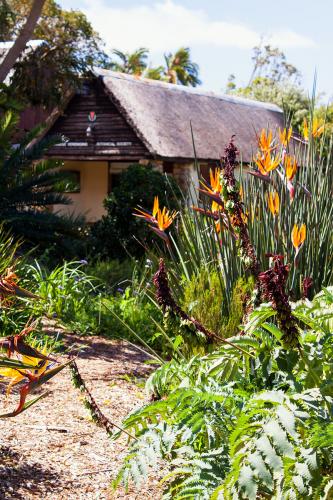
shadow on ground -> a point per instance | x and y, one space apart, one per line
17 475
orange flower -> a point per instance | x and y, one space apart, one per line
298 235
305 129
214 189
285 136
318 128
159 220
215 180
9 287
266 163
165 218
290 166
265 141
156 206
148 217
273 202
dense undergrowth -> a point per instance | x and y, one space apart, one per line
238 316
244 412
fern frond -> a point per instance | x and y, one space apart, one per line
268 451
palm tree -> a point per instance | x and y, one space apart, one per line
28 188
180 69
133 63
157 73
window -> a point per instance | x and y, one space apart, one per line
114 180
71 183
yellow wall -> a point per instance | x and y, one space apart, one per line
94 189
94 180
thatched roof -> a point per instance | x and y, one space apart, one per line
161 114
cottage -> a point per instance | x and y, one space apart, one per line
117 119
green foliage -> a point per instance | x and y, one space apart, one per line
27 189
8 249
117 233
204 299
133 63
274 80
244 424
178 69
7 18
64 290
71 47
195 244
268 451
136 316
85 304
270 234
291 98
113 274
240 296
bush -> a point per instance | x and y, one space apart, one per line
118 233
113 274
203 299
241 424
65 291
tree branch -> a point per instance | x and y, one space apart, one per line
20 43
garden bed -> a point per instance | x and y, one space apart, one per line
56 451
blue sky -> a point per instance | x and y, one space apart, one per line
221 33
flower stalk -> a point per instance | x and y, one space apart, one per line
273 289
168 304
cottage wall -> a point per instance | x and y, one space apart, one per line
94 180
187 177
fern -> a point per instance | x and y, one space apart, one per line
268 453
145 453
197 418
195 476
245 424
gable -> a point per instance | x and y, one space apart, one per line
110 136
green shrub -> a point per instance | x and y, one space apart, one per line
247 424
64 291
204 298
116 234
116 316
112 273
240 296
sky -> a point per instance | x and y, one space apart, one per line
221 33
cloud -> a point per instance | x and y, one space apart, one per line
166 25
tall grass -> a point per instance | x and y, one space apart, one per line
195 243
314 209
64 291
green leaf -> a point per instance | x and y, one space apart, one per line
26 406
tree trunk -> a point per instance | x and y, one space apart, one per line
20 43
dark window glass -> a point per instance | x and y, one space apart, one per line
114 180
71 184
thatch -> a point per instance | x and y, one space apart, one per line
162 114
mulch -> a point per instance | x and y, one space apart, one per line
54 451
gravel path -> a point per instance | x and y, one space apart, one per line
53 451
